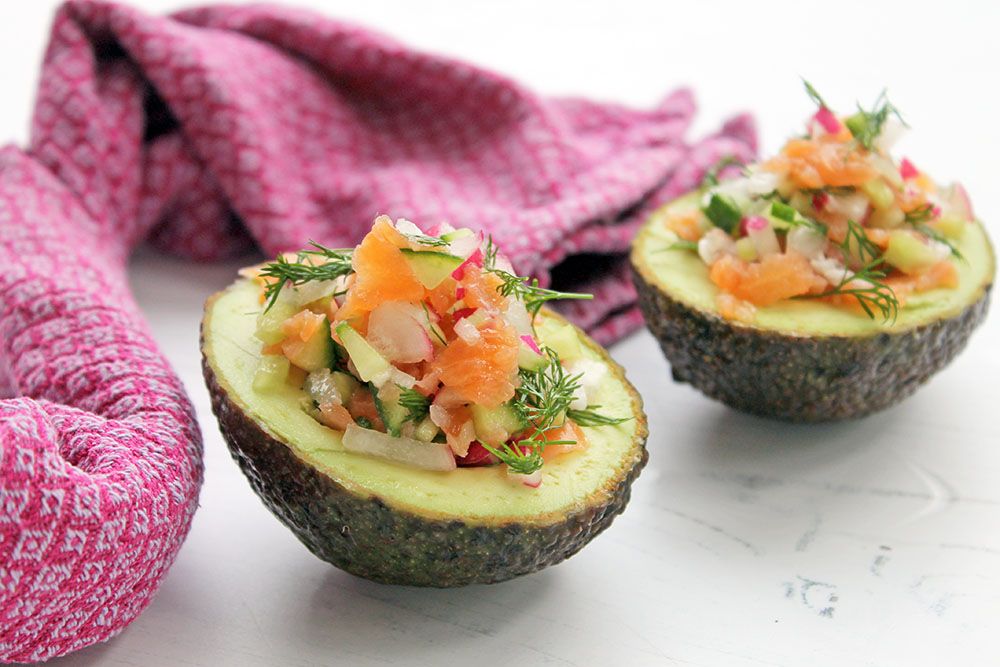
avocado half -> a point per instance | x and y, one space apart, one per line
400 525
805 361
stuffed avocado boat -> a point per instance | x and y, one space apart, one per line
414 414
825 283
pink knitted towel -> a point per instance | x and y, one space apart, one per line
210 131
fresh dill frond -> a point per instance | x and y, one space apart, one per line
935 235
523 461
814 95
417 405
590 417
920 214
424 239
522 288
434 329
868 287
680 245
320 263
711 177
866 249
543 397
867 125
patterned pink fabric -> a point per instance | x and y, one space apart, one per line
207 132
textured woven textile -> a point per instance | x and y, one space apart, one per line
208 132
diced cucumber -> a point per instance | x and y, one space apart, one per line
880 194
496 425
746 250
431 267
346 385
312 354
270 320
272 369
949 226
459 233
887 218
564 342
782 216
724 213
425 430
529 359
367 360
908 253
387 403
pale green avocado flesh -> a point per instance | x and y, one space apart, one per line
684 276
469 494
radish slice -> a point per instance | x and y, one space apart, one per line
534 480
907 170
530 342
426 455
518 316
959 202
477 456
475 259
395 331
762 234
827 120
467 246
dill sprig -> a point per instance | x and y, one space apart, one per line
680 244
866 125
522 288
417 405
868 287
935 235
332 264
424 239
920 214
866 249
590 417
918 217
814 95
711 177
543 397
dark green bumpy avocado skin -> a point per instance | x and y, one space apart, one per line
800 378
370 539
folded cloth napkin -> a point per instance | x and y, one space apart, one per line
207 132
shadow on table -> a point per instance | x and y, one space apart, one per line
408 625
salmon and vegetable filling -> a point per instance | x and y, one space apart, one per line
831 217
422 349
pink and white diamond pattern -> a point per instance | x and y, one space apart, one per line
210 131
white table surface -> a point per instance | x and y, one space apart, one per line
747 542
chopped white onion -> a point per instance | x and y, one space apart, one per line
714 245
467 331
464 246
806 241
426 455
892 132
404 226
830 268
592 374
321 387
852 207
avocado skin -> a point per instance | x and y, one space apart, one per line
800 378
370 539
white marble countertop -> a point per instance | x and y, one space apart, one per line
747 542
